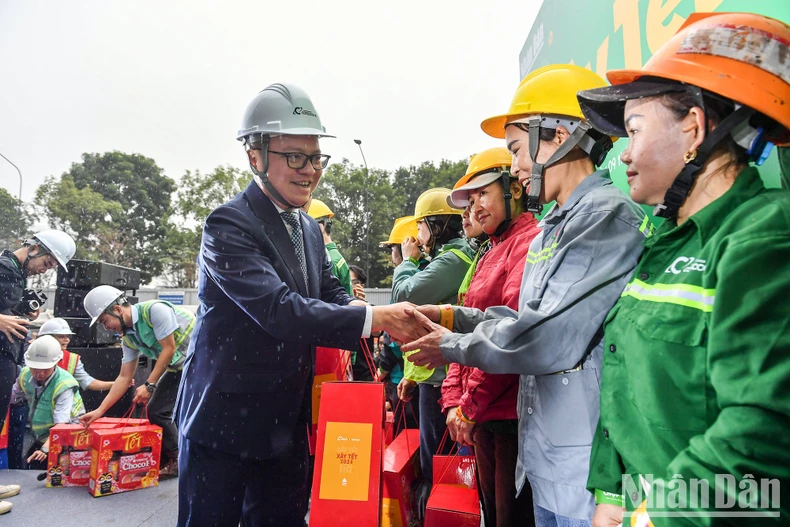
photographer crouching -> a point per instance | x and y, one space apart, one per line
19 305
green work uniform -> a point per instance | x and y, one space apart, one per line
696 369
42 408
339 267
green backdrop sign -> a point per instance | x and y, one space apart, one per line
604 35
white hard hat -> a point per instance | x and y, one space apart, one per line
43 353
99 299
281 109
55 326
59 244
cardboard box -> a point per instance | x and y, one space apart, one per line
452 506
331 364
400 467
347 476
69 460
124 458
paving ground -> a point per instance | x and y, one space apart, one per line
37 505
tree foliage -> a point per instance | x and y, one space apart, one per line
15 221
198 194
115 206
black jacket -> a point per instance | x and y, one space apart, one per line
247 381
12 285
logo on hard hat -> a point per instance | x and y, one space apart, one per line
303 111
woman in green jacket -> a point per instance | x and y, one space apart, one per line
695 394
439 234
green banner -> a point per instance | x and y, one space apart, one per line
604 35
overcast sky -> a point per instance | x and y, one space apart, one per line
170 79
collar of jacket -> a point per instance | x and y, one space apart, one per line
455 243
12 263
522 223
599 178
262 206
707 221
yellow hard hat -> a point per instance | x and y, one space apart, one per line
318 209
549 90
433 202
484 168
403 228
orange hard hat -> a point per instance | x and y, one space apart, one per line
741 56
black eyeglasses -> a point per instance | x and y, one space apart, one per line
297 160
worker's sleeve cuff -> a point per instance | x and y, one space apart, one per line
608 498
366 328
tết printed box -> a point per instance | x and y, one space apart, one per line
124 459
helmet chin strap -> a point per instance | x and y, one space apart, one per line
507 195
263 176
681 187
578 137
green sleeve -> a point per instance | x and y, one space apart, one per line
606 467
434 284
340 267
749 370
784 165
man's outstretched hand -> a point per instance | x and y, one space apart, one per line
397 320
429 353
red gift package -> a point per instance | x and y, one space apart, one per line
124 459
331 364
347 476
452 506
400 467
69 461
454 501
455 470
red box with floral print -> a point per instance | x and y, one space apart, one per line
124 459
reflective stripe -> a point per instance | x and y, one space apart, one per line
545 254
646 228
681 294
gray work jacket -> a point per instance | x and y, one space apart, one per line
575 271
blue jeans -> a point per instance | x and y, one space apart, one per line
546 518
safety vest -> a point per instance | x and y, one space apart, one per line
144 340
42 409
420 373
69 361
470 273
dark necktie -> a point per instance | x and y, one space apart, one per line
292 219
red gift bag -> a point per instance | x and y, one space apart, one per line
331 364
454 501
400 467
347 476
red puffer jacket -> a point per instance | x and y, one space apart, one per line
496 282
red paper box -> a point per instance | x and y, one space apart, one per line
4 431
400 467
347 477
124 459
69 460
452 506
330 365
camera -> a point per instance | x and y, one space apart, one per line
32 300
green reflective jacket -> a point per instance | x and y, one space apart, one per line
438 283
144 339
41 416
696 370
339 267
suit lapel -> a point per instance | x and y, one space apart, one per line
275 229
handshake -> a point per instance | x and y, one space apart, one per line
416 328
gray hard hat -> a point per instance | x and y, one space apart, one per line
281 109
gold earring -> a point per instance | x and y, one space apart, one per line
688 157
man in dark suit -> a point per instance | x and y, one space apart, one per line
267 297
